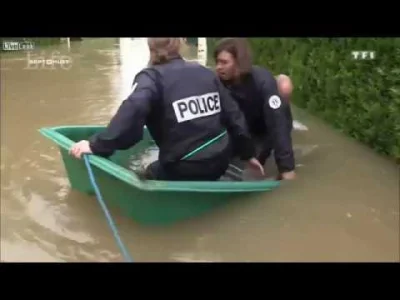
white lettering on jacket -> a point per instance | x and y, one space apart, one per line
195 107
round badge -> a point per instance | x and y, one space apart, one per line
274 102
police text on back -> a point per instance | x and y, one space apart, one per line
197 107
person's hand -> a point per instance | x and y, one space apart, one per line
285 86
80 148
287 175
256 165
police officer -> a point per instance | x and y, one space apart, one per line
188 113
266 107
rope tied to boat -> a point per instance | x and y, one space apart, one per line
109 218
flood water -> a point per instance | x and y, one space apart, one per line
344 205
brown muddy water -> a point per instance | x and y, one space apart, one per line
344 205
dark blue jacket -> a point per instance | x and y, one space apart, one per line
267 114
184 106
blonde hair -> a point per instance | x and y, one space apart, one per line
163 50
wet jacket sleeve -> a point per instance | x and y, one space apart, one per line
277 122
126 127
236 125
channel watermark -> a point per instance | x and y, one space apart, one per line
18 46
44 61
363 55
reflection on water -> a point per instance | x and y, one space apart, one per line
343 206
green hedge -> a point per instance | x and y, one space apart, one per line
192 41
211 42
359 97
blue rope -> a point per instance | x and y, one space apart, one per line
110 221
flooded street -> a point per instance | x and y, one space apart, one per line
344 205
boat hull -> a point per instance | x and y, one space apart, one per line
147 202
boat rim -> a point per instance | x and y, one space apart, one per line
132 179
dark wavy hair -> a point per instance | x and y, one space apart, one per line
240 49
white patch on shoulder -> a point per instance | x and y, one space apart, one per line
134 87
274 102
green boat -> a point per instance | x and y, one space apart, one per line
147 202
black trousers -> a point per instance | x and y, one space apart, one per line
263 148
206 170
264 151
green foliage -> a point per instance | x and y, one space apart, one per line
211 43
359 97
192 41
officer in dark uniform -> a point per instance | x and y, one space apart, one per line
188 113
267 110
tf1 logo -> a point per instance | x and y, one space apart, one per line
363 55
